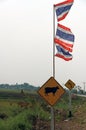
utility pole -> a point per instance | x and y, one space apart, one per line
84 86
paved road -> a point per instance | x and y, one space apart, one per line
80 95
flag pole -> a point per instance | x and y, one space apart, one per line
52 109
53 42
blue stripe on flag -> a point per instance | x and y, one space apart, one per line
65 36
62 53
64 9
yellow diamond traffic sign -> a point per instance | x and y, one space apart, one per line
51 91
70 84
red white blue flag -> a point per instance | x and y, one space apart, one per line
62 9
64 37
62 53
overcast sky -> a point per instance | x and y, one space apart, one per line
26 42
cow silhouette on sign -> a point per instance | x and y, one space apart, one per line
52 90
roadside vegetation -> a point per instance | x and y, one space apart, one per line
26 110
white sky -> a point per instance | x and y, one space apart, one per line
26 41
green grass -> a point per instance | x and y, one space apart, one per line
21 118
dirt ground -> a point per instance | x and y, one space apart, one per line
77 122
70 125
63 125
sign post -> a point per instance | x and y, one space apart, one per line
52 119
70 84
70 106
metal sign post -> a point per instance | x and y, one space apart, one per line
52 119
70 85
70 107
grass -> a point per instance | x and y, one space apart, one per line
14 117
24 118
21 119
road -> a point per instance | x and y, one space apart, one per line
80 95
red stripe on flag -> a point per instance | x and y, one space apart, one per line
64 45
65 58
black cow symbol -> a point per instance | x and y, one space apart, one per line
51 90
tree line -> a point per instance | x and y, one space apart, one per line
19 86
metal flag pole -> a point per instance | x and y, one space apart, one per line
52 109
53 42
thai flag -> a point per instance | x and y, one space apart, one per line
62 9
62 53
64 37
